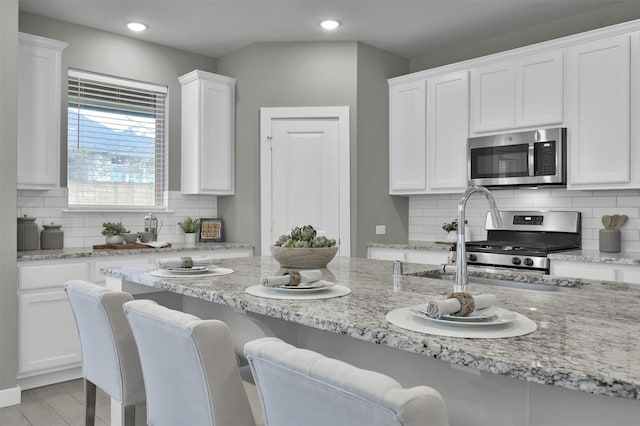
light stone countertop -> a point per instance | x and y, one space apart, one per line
416 245
587 337
78 252
595 256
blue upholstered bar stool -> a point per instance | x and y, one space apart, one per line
109 353
302 387
190 371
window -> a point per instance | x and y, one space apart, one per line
116 143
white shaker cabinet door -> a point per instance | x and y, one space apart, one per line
493 97
539 89
39 80
599 110
447 132
48 334
208 104
407 138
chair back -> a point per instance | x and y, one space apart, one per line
190 371
302 387
109 353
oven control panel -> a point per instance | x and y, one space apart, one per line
528 220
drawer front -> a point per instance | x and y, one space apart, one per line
35 277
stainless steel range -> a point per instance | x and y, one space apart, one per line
525 239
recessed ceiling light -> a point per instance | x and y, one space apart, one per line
136 26
330 24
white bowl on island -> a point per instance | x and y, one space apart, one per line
303 258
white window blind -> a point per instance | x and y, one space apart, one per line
116 148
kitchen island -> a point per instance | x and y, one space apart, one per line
582 365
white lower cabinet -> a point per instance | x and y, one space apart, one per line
426 257
596 271
48 342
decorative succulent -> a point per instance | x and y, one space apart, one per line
189 225
450 226
304 237
113 228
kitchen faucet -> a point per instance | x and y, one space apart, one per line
461 277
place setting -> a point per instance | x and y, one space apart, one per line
298 285
187 267
461 314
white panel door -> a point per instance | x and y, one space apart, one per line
599 109
305 173
447 132
305 176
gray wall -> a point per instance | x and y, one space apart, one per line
316 74
8 139
108 53
581 22
374 205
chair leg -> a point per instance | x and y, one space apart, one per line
90 403
129 415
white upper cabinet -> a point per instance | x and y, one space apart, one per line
208 103
39 80
600 152
447 132
407 138
517 93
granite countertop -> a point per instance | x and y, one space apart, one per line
416 245
595 256
587 337
77 252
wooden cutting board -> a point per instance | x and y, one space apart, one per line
124 246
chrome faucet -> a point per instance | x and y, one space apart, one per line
461 252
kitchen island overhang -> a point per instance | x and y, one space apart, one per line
586 340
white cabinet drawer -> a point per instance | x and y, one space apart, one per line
34 277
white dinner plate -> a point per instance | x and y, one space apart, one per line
191 271
308 287
500 316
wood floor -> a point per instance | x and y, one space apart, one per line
61 404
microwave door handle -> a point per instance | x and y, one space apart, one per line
531 157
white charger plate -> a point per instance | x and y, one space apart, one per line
304 288
499 316
195 270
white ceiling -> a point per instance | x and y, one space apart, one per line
409 28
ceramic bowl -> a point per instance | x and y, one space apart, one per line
303 258
130 238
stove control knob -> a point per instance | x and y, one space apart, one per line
515 260
528 262
472 257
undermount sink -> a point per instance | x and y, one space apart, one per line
493 281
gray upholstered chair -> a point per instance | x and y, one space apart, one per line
109 353
190 370
302 387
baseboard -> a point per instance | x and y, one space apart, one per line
44 379
10 396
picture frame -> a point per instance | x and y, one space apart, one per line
210 230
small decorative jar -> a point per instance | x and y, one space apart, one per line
27 233
52 237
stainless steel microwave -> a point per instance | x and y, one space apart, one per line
531 158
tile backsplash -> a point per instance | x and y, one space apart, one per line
83 229
427 213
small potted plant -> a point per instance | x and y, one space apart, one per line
189 226
113 232
451 228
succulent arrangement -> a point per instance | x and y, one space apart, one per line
304 237
189 225
113 228
450 226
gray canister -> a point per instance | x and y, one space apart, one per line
610 241
52 237
27 233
